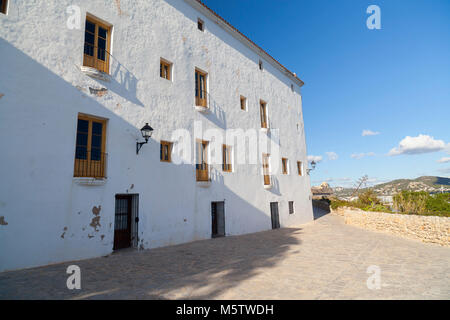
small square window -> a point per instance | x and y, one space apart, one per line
165 69
3 6
243 103
165 152
291 207
200 24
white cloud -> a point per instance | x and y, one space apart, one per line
417 145
362 155
444 160
316 159
332 155
369 133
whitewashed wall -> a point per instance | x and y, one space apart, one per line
47 213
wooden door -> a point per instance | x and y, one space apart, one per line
122 222
274 215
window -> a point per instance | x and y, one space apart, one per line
260 65
227 159
96 45
165 152
266 172
200 24
200 88
292 87
243 103
291 207
165 69
284 165
299 168
3 6
202 161
263 108
90 147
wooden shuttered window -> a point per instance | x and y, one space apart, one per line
299 168
3 6
266 173
227 159
165 152
97 39
165 70
284 165
200 88
263 111
243 103
202 172
90 157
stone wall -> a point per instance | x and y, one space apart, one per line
431 229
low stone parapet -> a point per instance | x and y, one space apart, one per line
432 229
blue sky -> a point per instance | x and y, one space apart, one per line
394 82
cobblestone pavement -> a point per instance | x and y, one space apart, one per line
324 259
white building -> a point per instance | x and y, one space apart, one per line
79 79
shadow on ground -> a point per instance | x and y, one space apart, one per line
199 270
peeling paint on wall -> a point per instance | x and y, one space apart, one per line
95 223
2 221
62 236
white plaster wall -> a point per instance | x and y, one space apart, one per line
44 90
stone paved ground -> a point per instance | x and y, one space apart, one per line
325 259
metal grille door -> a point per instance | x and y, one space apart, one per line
218 219
122 222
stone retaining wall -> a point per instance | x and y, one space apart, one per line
431 229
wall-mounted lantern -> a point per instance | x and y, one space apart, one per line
146 132
313 166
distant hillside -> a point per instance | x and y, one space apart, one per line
428 184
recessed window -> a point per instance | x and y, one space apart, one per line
90 147
299 168
97 39
165 152
263 112
200 88
291 207
243 103
165 69
292 87
261 67
3 6
284 165
266 171
200 24
201 167
227 159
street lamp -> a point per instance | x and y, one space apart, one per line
313 166
146 132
